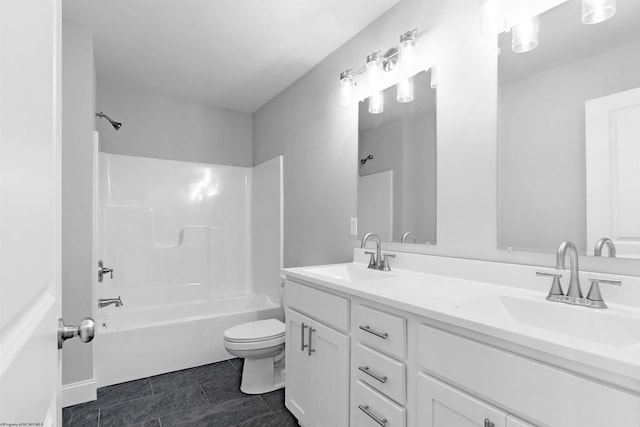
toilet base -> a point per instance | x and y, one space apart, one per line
261 375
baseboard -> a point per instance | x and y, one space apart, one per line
80 392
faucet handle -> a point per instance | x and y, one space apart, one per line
385 262
372 259
594 297
555 293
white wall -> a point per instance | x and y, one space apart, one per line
542 147
78 103
169 128
266 228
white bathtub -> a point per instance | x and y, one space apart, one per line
140 342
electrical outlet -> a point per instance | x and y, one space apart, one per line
354 226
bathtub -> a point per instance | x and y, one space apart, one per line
133 343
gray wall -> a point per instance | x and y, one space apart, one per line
78 104
542 148
318 137
169 128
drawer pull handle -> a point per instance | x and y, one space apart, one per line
380 421
366 328
302 328
366 370
311 331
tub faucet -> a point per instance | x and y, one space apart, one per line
600 244
574 293
377 261
103 302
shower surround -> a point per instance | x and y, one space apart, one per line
179 237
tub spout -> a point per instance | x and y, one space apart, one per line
103 302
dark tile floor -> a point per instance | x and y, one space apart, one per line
204 396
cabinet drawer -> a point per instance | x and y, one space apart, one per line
548 395
380 372
328 308
371 409
381 330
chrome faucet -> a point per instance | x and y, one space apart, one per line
574 293
408 235
377 261
600 244
103 302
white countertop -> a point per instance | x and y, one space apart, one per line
473 306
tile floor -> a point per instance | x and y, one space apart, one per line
204 396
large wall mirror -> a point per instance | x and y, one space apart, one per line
569 134
397 167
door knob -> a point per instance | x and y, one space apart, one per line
85 331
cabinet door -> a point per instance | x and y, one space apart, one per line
299 392
441 405
331 377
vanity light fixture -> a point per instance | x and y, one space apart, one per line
374 74
406 60
524 36
492 17
347 84
401 57
597 11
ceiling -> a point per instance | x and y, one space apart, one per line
234 54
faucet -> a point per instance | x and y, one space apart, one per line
604 241
103 302
574 293
373 262
407 235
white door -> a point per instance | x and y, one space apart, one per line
441 405
299 398
613 176
330 364
29 211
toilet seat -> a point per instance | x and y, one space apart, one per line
253 345
259 331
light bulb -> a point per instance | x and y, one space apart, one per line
376 102
405 90
407 53
492 17
346 87
524 36
374 74
597 11
434 77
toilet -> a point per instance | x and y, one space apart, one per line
261 345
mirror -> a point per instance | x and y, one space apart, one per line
569 134
397 167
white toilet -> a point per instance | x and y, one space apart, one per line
261 345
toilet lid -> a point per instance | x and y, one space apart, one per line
259 330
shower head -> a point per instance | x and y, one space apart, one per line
115 124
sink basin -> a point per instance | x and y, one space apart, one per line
350 273
608 326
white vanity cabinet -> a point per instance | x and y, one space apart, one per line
317 357
441 405
377 362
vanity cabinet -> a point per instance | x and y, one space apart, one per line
374 364
441 405
317 360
